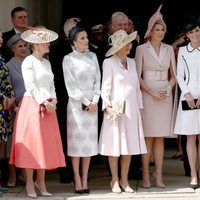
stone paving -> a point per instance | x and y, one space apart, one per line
177 186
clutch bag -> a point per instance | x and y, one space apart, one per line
186 107
84 107
118 106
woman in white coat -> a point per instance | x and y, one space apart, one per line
121 132
82 80
188 77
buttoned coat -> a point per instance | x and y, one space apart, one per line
124 135
188 77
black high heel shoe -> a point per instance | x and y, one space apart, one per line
194 186
86 191
77 191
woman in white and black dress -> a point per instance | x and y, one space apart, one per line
82 80
188 77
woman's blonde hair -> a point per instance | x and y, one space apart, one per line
161 22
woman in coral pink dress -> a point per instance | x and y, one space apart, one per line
37 143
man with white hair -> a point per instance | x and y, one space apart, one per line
119 21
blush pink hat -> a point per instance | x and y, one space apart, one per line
156 16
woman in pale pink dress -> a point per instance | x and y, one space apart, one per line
36 142
121 132
156 68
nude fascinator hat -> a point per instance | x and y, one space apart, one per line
155 17
37 35
118 40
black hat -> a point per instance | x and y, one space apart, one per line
189 23
73 32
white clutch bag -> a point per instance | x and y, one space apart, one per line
118 106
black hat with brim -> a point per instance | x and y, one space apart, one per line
190 23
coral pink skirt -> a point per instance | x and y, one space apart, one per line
36 141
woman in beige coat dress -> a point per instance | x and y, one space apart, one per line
155 62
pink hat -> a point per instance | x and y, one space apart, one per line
156 16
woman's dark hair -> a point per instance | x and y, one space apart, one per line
74 32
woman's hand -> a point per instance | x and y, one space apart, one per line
54 102
190 100
50 107
110 111
92 107
198 103
157 95
8 103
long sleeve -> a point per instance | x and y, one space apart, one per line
96 82
38 79
106 84
181 72
138 90
71 83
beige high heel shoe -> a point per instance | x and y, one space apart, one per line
127 188
30 194
45 194
115 187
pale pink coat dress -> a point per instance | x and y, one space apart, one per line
154 69
123 136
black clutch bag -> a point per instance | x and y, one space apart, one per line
186 107
84 107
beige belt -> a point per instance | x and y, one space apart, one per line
155 75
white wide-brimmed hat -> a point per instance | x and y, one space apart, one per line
37 35
118 40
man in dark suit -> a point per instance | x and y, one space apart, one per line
19 18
